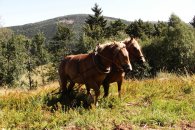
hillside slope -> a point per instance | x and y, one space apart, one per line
166 102
48 27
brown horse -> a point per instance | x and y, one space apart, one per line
117 74
91 69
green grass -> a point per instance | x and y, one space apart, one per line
160 103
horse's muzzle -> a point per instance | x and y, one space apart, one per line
141 61
127 68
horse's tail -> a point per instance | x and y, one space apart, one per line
63 75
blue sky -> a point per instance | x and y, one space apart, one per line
18 12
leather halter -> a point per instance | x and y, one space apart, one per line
100 67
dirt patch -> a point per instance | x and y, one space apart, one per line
123 127
187 125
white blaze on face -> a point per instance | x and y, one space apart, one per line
139 48
130 66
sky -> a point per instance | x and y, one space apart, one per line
19 12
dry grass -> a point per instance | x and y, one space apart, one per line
160 103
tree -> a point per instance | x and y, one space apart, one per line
193 22
160 28
174 51
135 29
40 53
5 35
58 44
59 47
9 64
39 49
97 19
30 63
94 29
115 28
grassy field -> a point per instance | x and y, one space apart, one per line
166 102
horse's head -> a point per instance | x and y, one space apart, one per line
118 54
121 56
135 52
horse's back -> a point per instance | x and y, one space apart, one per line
75 65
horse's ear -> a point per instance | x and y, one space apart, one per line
136 38
97 47
131 38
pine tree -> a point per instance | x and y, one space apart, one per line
5 35
115 28
97 19
193 22
8 49
39 49
59 47
95 24
94 29
135 29
30 64
40 52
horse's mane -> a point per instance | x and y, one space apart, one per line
131 41
119 44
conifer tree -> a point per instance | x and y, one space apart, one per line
94 28
193 22
5 35
40 52
59 47
115 28
135 29
8 50
30 64
96 20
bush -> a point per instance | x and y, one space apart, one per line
174 52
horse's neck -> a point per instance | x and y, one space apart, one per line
106 60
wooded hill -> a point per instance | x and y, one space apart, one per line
48 27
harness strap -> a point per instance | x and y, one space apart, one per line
100 67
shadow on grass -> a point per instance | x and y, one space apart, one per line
71 99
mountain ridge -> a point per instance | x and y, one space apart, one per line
48 27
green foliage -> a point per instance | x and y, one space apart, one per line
115 28
135 29
160 29
94 29
193 22
59 47
175 50
97 19
12 51
39 49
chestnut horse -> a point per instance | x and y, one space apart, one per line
117 74
91 69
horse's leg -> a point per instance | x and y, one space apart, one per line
119 83
96 88
88 90
63 77
106 88
63 84
97 93
70 86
